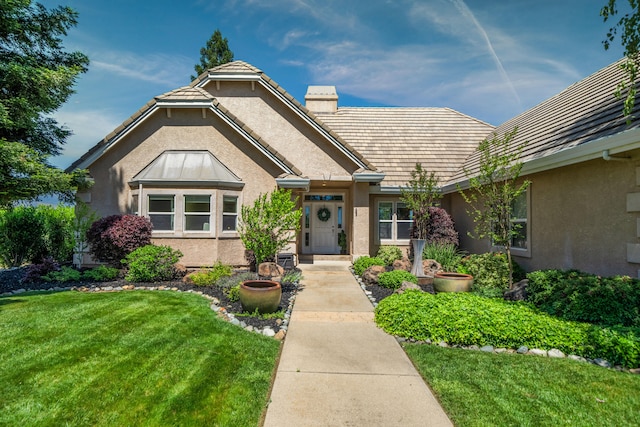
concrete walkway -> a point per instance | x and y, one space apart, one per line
338 369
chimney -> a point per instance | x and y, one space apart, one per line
321 99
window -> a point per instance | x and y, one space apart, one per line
229 213
519 222
394 221
197 212
161 212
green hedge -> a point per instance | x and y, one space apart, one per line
490 273
574 295
467 319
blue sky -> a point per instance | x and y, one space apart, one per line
487 59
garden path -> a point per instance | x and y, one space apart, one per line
338 368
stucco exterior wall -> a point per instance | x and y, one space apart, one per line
186 129
578 218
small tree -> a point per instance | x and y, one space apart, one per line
419 195
267 227
216 52
493 190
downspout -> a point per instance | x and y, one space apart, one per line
607 157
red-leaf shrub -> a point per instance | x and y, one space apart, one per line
113 237
440 228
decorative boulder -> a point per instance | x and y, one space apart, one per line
402 264
407 286
518 292
370 275
270 269
431 267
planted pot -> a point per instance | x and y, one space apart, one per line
452 282
261 295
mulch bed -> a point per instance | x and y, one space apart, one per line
11 280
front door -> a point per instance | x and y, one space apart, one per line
325 222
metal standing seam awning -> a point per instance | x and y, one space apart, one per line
187 168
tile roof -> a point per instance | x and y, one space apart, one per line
394 139
584 112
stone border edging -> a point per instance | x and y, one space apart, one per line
221 312
552 353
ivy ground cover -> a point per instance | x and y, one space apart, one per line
128 358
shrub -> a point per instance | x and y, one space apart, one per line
113 237
152 263
58 231
389 254
440 228
394 279
364 262
490 273
233 293
22 232
575 295
101 274
267 227
447 255
36 271
227 282
292 276
211 276
65 274
467 319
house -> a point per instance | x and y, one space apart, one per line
190 158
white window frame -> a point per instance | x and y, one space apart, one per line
227 214
394 223
516 251
201 213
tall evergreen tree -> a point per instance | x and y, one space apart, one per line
36 77
216 52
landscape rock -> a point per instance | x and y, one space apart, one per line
523 350
602 363
518 292
370 275
554 352
487 348
280 335
577 358
270 269
431 267
268 332
405 286
538 352
402 264
635 371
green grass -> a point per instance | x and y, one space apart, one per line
481 389
128 358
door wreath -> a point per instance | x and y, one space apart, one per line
324 214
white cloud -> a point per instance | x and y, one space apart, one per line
154 68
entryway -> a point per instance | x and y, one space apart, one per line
323 224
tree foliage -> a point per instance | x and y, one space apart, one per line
36 77
267 227
628 29
421 193
215 52
493 190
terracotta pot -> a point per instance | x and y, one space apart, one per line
263 295
452 282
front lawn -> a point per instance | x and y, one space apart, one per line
481 389
128 358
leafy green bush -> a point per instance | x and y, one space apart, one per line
233 293
101 273
364 262
211 276
152 263
575 295
446 254
394 279
22 232
65 274
467 319
58 233
389 254
490 273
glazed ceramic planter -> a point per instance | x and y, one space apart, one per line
261 295
452 282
